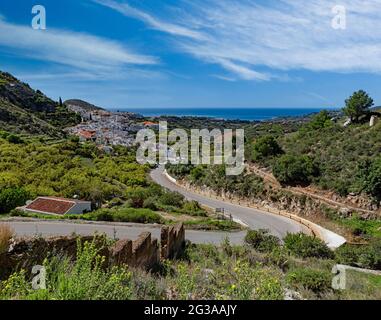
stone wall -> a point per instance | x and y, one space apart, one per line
144 252
172 241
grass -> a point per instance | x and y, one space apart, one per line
6 233
371 228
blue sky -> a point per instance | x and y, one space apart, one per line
195 54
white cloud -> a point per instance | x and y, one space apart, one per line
173 29
79 51
242 36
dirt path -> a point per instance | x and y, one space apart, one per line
271 180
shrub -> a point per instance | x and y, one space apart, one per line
193 208
292 170
12 198
125 215
137 196
150 203
314 280
6 234
261 240
365 256
370 177
320 121
174 199
266 147
304 246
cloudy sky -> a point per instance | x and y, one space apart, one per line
195 53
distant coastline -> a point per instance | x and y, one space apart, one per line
251 114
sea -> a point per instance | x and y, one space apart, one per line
251 114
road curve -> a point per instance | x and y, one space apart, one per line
255 219
36 227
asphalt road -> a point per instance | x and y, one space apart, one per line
255 219
113 230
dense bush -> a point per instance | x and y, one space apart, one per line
124 215
315 280
370 177
293 170
365 256
193 208
265 147
304 246
174 199
261 240
11 198
319 121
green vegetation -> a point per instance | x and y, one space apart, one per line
370 177
261 240
85 279
363 256
214 177
292 170
24 110
317 281
265 147
358 105
11 198
204 272
68 168
304 246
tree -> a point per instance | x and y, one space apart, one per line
60 102
11 198
266 147
357 105
320 120
292 170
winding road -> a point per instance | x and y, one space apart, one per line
279 226
252 218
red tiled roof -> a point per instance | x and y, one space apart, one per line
51 205
87 134
149 123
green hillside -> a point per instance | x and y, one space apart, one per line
25 110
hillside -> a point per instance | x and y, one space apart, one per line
82 104
25 110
